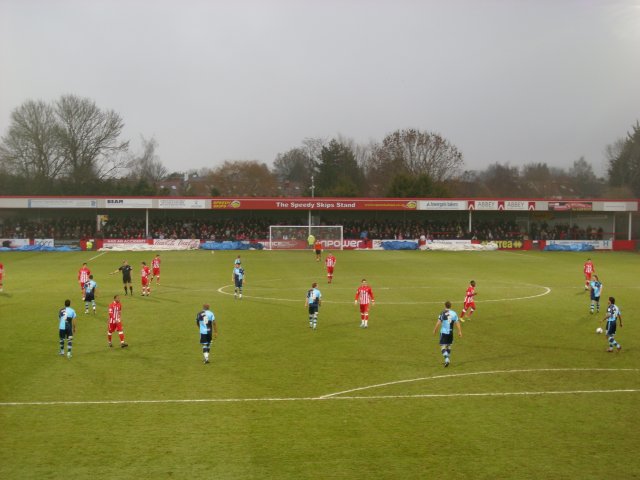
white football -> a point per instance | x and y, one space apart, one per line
598 330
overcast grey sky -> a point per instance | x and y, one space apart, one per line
514 82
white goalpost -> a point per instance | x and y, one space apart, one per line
294 237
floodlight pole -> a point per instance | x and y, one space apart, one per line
313 188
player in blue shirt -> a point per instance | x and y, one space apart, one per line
237 277
66 326
613 315
313 301
206 322
446 320
595 286
90 287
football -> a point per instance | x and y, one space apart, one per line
598 330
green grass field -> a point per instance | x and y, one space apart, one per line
531 392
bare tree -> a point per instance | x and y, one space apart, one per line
89 139
30 149
501 181
413 152
147 165
537 180
584 180
247 178
294 165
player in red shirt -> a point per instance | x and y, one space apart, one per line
83 277
155 267
115 321
588 270
144 277
318 249
1 275
364 296
330 263
469 301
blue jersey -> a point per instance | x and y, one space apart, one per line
238 273
313 296
447 319
90 286
596 287
612 313
65 316
205 320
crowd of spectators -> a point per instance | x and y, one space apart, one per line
434 230
60 228
258 229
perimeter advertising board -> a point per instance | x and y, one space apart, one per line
571 206
129 203
596 244
183 203
62 203
311 204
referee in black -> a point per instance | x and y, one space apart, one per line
125 268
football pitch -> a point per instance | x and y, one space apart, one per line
531 392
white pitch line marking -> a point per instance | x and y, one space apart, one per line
546 291
335 396
492 372
97 256
482 394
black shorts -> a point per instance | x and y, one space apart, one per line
446 338
238 282
611 328
126 279
205 338
66 332
594 298
318 252
89 297
313 308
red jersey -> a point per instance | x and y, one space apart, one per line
155 263
588 268
364 295
115 311
83 275
1 270
468 297
145 272
318 245
330 261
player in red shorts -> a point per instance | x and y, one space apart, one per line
83 277
115 322
588 270
330 263
317 247
144 277
469 301
155 268
364 296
